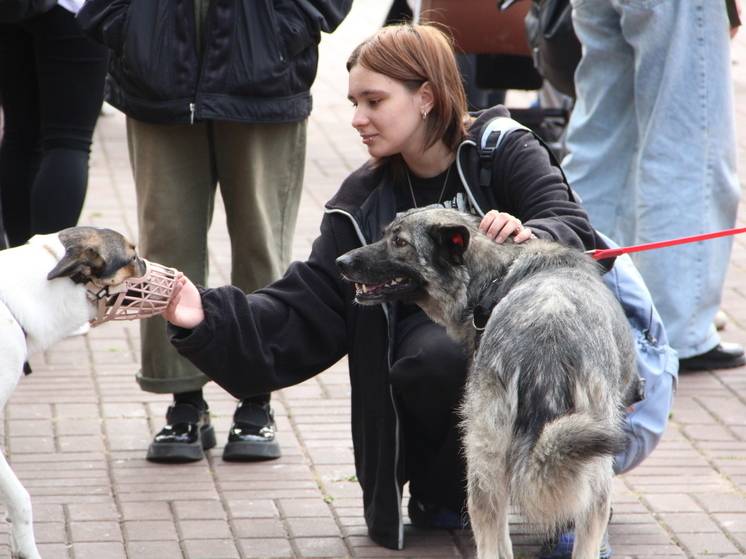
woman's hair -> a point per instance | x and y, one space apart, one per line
413 55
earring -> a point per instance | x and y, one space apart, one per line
424 114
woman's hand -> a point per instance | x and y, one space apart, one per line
500 225
185 308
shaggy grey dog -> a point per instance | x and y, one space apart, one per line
550 375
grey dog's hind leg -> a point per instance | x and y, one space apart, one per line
488 514
589 530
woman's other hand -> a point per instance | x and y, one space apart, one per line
500 225
185 308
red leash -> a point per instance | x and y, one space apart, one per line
600 254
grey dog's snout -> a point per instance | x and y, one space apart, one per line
345 262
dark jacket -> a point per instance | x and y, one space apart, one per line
302 324
258 57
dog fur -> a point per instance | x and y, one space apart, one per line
42 300
544 400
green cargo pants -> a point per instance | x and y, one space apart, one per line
177 169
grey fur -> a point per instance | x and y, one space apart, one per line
544 401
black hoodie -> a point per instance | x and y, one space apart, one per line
303 323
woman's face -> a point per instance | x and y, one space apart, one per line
388 116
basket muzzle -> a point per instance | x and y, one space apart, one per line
134 298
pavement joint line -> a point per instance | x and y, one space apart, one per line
224 504
662 523
713 467
727 533
103 429
318 479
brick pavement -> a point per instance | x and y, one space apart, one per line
77 429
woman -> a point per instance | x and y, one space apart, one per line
406 374
52 87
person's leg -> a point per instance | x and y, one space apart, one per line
686 176
601 134
260 170
175 184
70 73
428 376
20 148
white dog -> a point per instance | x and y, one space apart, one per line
46 293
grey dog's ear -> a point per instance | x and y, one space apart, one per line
77 264
452 242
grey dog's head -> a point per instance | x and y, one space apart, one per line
102 256
422 251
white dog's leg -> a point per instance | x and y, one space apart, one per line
589 531
18 502
14 495
488 513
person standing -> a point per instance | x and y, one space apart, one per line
216 93
52 87
653 152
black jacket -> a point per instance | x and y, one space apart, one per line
302 324
257 63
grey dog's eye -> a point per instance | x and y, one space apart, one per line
399 242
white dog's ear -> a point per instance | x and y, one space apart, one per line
452 242
76 264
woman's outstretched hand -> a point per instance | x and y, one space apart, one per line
500 225
185 308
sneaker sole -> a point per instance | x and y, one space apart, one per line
243 451
178 453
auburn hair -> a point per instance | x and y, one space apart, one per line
413 55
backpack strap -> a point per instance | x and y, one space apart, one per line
493 134
490 141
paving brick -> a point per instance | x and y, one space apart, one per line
154 550
102 531
212 549
99 551
321 547
149 530
260 528
268 548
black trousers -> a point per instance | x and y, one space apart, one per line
428 376
51 86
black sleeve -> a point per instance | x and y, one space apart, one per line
529 187
302 21
277 336
103 21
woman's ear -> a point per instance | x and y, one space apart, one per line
427 99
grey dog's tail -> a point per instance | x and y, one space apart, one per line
572 440
562 465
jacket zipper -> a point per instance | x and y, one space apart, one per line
191 113
364 241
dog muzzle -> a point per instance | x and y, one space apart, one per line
134 298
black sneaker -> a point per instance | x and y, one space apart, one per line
435 516
185 437
252 435
723 356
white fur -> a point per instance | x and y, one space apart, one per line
47 310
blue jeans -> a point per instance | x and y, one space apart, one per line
652 147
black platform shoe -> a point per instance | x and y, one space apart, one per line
723 356
184 438
252 435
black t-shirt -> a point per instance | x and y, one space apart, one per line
428 191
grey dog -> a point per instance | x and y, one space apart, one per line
550 373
